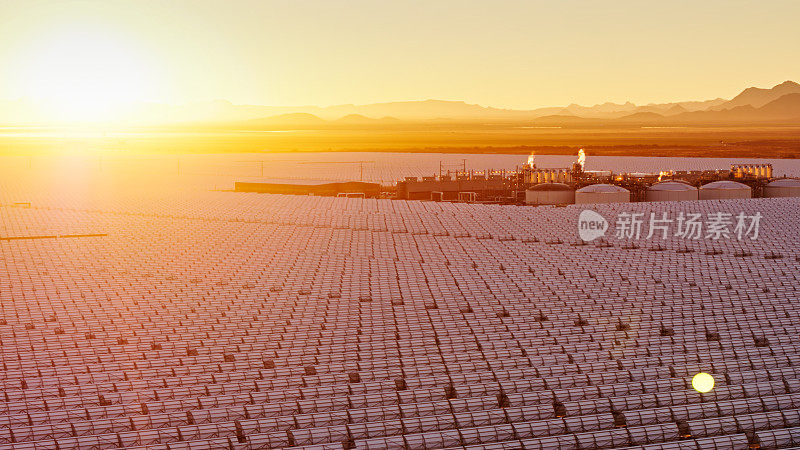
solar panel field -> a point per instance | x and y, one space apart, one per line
189 319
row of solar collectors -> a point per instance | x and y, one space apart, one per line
342 384
464 287
469 309
519 343
516 223
473 280
334 397
288 313
390 255
502 227
333 378
392 332
220 204
589 350
509 345
488 344
298 309
499 276
453 280
528 329
404 331
441 386
409 289
81 374
465 428
291 312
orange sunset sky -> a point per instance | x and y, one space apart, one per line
92 58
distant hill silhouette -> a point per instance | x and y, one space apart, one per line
358 119
642 117
607 109
752 104
675 109
563 119
288 120
758 97
743 107
784 110
787 107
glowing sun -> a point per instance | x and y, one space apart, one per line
86 75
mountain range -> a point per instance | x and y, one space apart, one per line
777 105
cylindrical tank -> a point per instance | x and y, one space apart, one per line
670 191
724 189
550 194
602 193
782 187
769 170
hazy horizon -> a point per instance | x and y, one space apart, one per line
89 59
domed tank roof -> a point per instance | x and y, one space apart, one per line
725 184
602 188
551 187
785 182
672 185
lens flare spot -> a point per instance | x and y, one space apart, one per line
703 382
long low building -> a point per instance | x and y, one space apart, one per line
306 188
448 189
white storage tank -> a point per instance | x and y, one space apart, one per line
602 193
719 190
783 187
550 194
671 191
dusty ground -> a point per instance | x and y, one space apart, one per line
767 142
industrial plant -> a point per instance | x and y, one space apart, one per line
532 185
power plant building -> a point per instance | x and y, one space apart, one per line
602 193
550 194
671 191
784 187
725 189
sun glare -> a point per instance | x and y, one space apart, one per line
703 382
85 75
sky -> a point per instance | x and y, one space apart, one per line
517 54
